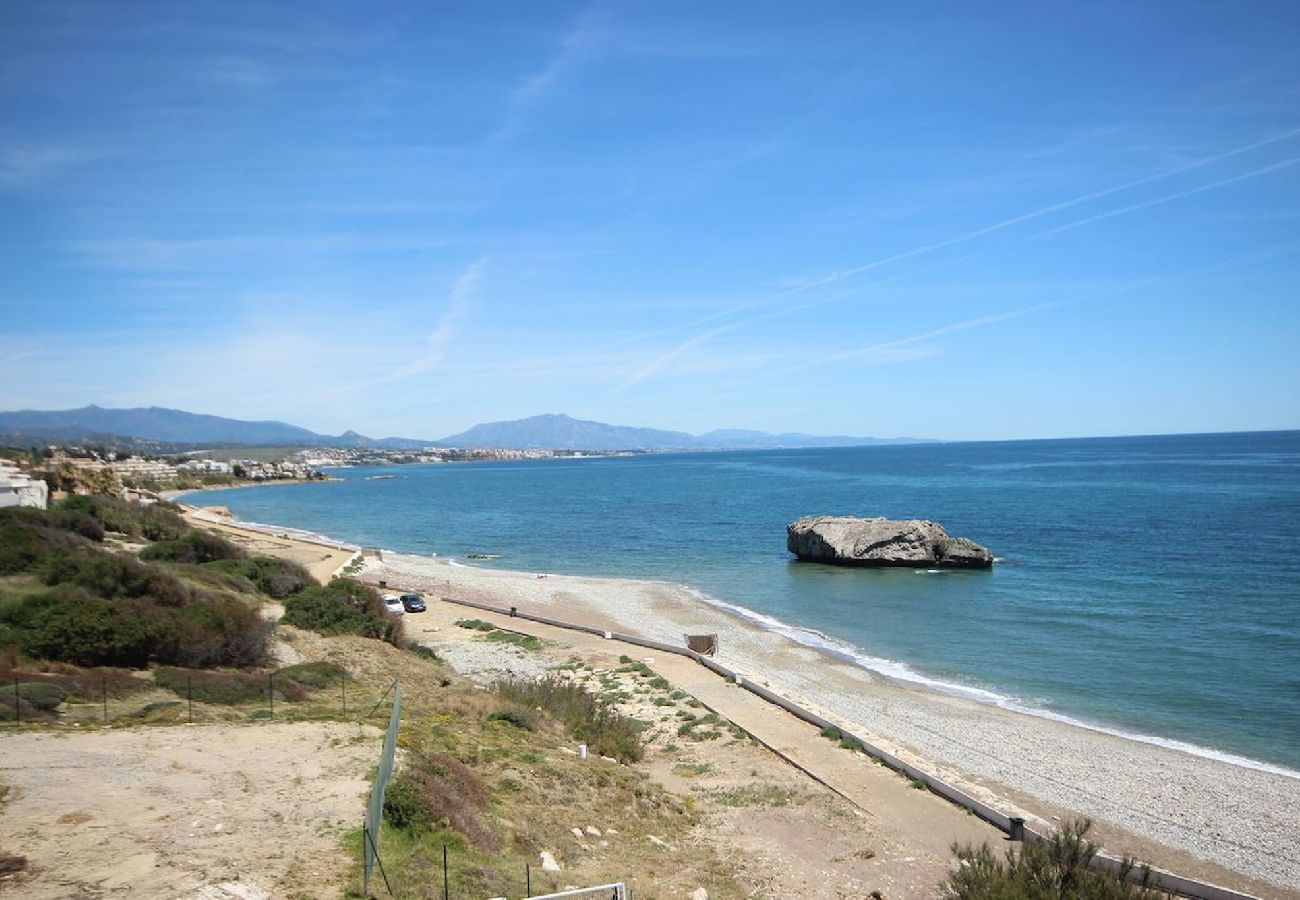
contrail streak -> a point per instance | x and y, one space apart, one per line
676 351
986 230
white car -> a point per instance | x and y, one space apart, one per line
393 604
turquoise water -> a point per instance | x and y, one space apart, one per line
1150 585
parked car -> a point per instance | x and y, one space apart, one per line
413 603
393 604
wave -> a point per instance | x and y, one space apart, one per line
901 671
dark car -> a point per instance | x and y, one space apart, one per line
413 603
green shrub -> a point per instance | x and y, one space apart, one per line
421 650
42 695
227 688
112 575
588 718
438 788
70 625
1055 868
153 522
516 717
476 625
405 806
193 547
27 537
271 576
314 675
78 522
216 631
523 641
277 578
343 607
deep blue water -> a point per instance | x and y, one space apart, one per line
1149 584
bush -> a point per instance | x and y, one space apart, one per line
437 787
343 607
513 716
405 806
275 577
216 631
228 688
27 537
78 522
421 650
588 718
522 641
315 675
476 625
77 684
74 627
112 575
42 695
1055 868
193 547
153 522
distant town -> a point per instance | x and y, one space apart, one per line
34 476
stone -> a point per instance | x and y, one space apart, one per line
548 862
699 894
593 831
851 541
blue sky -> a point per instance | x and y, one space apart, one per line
953 220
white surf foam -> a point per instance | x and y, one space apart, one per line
901 671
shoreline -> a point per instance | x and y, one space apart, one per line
1178 809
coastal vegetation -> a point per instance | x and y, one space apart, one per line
343 606
1056 868
590 719
73 592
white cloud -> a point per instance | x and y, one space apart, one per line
435 350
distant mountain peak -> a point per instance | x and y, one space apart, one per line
560 431
551 431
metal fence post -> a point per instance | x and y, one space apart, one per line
103 688
446 882
18 712
343 681
528 880
270 692
189 695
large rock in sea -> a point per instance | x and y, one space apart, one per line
850 541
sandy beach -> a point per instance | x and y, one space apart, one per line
1189 814
1197 816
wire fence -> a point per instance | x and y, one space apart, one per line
370 830
65 698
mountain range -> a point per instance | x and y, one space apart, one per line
557 432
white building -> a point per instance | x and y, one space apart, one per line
19 489
207 466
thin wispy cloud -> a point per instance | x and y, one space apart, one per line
696 340
586 35
31 163
435 346
1004 224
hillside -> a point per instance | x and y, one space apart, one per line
175 427
158 429
562 432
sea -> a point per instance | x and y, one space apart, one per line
1148 586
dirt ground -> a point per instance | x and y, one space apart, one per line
321 560
210 811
